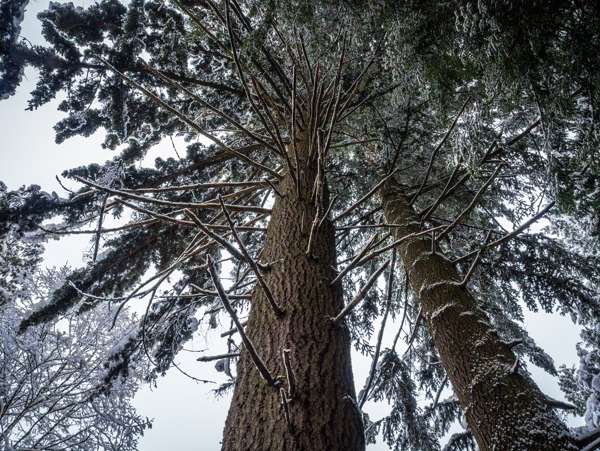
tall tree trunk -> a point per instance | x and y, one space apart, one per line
323 412
505 410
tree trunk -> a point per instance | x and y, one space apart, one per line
323 412
505 410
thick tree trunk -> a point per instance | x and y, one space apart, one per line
323 412
504 409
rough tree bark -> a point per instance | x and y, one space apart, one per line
504 409
323 412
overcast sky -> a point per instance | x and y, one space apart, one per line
187 417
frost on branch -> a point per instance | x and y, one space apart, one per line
582 386
49 376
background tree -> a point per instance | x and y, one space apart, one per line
472 107
49 393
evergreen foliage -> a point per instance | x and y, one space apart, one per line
483 111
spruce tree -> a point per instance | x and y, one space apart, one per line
423 127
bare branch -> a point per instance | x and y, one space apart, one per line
413 334
355 260
437 149
396 243
364 394
203 292
524 133
204 205
99 228
218 238
557 404
361 294
352 207
234 330
467 211
190 122
476 261
253 264
255 183
210 358
210 107
260 365
439 392
427 212
512 234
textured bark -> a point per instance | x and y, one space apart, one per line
323 412
505 410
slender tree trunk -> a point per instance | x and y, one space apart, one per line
323 413
505 410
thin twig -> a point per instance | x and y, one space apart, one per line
476 261
439 392
189 121
413 334
203 292
396 243
99 228
210 107
203 205
218 238
425 215
255 183
404 311
390 283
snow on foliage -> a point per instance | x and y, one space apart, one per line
48 393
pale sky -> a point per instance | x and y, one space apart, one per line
187 417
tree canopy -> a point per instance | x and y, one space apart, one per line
333 139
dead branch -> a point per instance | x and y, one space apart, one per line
352 207
234 330
467 211
364 394
260 365
512 234
253 264
361 294
189 121
396 243
428 211
465 281
437 149
210 358
355 260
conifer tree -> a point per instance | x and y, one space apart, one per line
418 129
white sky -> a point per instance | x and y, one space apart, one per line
187 417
